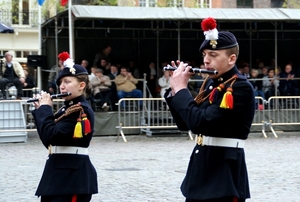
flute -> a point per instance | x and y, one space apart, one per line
52 97
192 70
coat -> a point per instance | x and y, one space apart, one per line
65 174
18 69
215 172
97 86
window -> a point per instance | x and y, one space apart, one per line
203 3
147 3
244 3
276 3
15 11
175 3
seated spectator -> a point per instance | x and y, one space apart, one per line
270 84
104 65
85 64
257 85
246 71
29 84
12 72
126 86
287 84
113 89
92 74
164 83
101 88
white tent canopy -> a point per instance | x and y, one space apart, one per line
174 13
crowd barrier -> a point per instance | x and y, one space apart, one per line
154 114
147 115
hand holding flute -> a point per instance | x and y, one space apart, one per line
45 99
51 96
192 70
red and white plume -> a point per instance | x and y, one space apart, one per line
209 27
67 61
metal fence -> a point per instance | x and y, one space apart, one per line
149 115
154 114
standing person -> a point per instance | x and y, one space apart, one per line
151 79
12 72
69 174
52 88
221 115
104 54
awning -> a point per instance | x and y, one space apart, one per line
5 29
174 13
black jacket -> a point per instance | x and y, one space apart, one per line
215 172
65 174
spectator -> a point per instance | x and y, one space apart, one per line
52 88
287 84
104 54
195 84
270 84
104 65
257 85
164 83
12 72
113 89
101 88
151 78
134 69
246 71
261 66
29 84
85 64
126 86
92 74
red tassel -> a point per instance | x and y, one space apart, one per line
235 199
74 198
86 124
214 93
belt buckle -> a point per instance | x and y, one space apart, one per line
199 140
50 149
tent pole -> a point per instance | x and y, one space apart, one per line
39 71
71 30
178 41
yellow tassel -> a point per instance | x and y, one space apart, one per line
227 101
78 129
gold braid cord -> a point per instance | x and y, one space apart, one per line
70 110
199 98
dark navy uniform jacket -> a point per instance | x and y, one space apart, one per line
215 172
65 174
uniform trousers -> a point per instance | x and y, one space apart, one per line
67 198
223 199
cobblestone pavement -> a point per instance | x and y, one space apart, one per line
152 168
